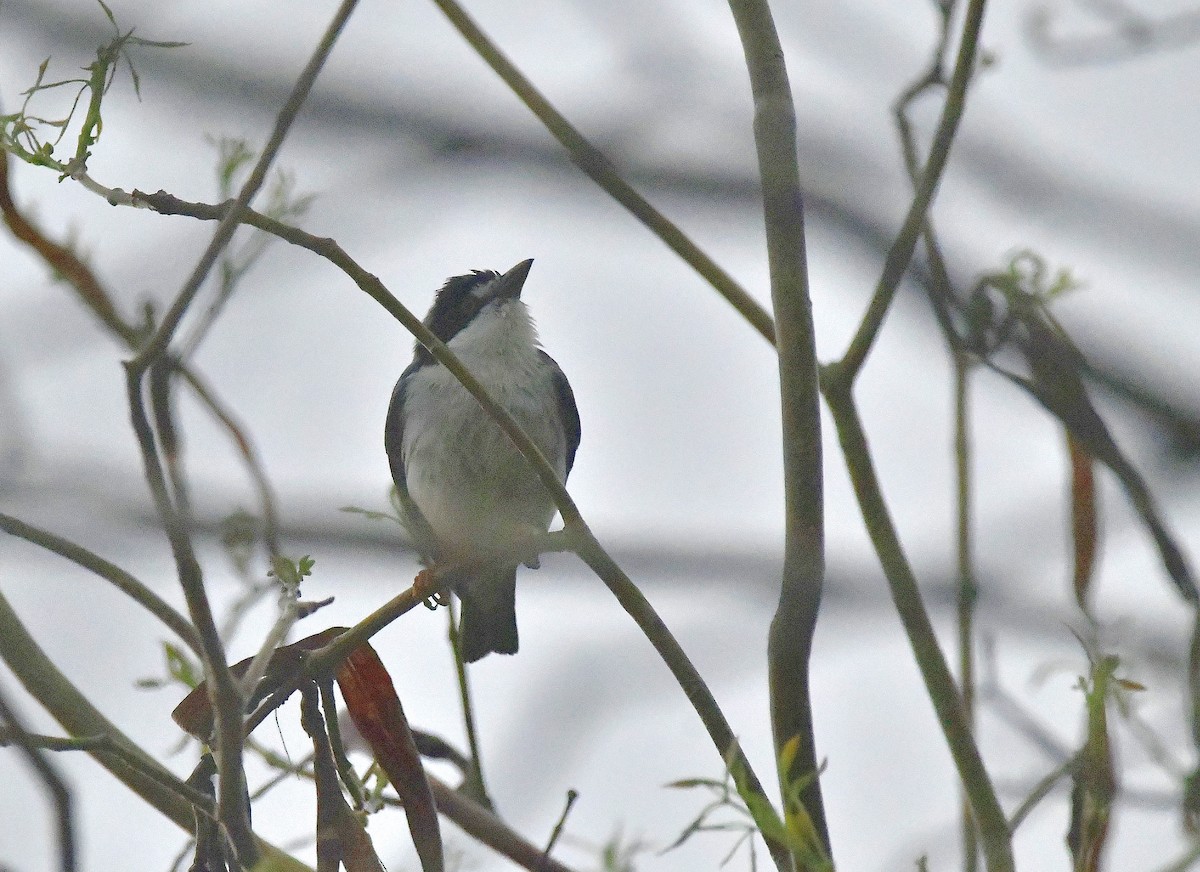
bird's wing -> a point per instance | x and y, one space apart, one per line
393 442
570 413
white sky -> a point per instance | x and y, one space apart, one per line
1093 166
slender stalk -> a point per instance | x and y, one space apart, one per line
156 346
790 642
227 700
111 748
939 683
13 732
901 251
110 572
344 768
597 167
474 777
967 590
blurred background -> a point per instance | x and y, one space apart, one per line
1079 142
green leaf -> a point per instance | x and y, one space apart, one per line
368 513
180 667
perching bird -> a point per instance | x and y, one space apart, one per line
466 494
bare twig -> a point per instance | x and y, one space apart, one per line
110 572
901 251
13 732
227 699
792 627
596 166
906 596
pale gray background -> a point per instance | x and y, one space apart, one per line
425 166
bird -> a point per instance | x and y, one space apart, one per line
466 496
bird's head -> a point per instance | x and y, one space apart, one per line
464 298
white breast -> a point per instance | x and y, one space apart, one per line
473 487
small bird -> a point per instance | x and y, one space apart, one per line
467 496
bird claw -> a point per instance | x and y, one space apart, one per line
425 585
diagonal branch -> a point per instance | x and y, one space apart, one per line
592 162
118 577
900 254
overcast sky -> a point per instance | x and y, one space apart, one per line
424 166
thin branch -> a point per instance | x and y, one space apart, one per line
227 699
224 693
792 628
110 572
474 775
482 824
13 732
597 167
901 251
906 596
113 750
66 263
968 591
156 346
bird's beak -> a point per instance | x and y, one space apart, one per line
508 286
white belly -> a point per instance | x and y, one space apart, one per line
473 487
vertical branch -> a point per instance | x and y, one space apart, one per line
967 591
224 693
49 775
475 776
792 628
900 254
994 834
227 699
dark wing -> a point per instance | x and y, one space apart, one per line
570 413
393 442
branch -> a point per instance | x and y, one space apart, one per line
792 627
13 732
228 701
995 839
901 251
112 749
597 167
110 572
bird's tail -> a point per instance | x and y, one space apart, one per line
489 612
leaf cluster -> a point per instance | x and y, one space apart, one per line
21 132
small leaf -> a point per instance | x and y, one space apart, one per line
368 513
1084 527
376 711
180 666
686 783
787 755
1130 684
